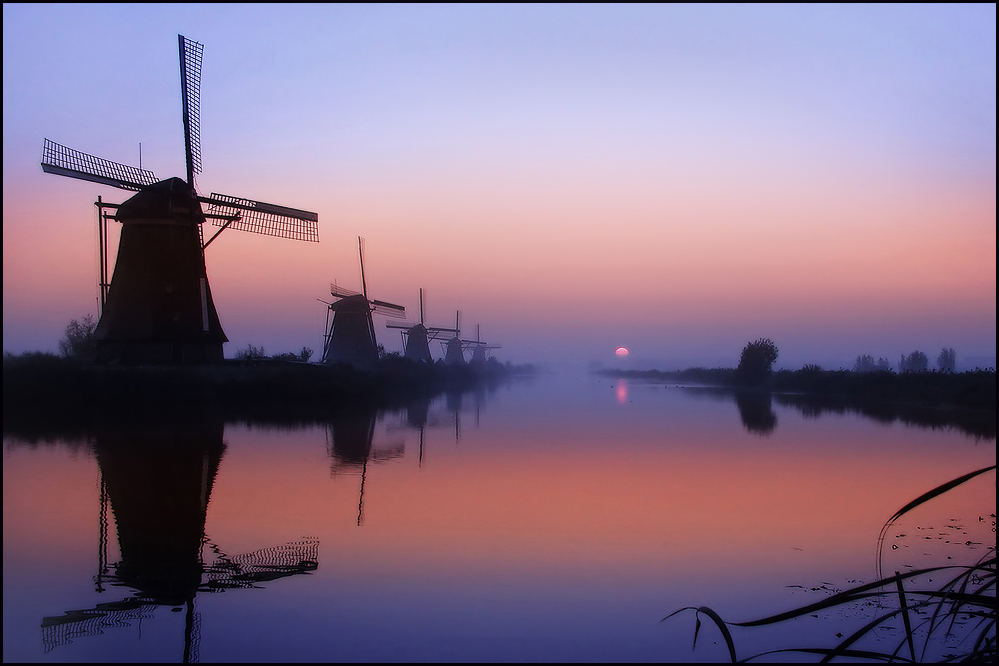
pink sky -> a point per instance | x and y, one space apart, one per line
678 180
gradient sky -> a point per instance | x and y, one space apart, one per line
679 180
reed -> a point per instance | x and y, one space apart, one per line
961 610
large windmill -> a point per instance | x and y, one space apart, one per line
158 306
418 337
350 330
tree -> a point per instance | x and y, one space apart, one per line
756 361
917 361
79 339
947 361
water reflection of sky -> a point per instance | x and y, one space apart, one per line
547 520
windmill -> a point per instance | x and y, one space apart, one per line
158 307
350 330
454 348
417 337
478 347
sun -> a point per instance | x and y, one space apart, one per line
622 351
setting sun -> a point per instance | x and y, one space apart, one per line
621 351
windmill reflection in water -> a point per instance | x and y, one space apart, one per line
158 483
350 436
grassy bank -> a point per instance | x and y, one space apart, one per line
43 393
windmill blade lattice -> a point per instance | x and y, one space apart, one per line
341 292
264 218
388 309
190 84
62 161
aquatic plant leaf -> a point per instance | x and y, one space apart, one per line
858 654
964 603
922 499
905 615
720 623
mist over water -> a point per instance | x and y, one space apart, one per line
557 517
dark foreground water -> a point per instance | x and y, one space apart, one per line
556 519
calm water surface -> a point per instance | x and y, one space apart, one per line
556 519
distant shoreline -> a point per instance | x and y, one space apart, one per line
972 388
966 400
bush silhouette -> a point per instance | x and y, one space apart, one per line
79 339
756 361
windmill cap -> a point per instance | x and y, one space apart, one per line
171 199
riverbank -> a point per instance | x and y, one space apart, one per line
966 400
47 393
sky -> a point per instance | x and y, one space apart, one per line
675 179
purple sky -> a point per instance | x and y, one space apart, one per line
679 180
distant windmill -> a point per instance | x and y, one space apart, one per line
418 337
350 330
454 348
158 307
478 347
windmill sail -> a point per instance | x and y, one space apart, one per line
388 309
263 218
190 88
62 161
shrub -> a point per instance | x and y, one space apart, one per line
251 353
78 341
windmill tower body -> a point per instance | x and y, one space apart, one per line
454 348
418 344
478 354
454 353
352 333
159 306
